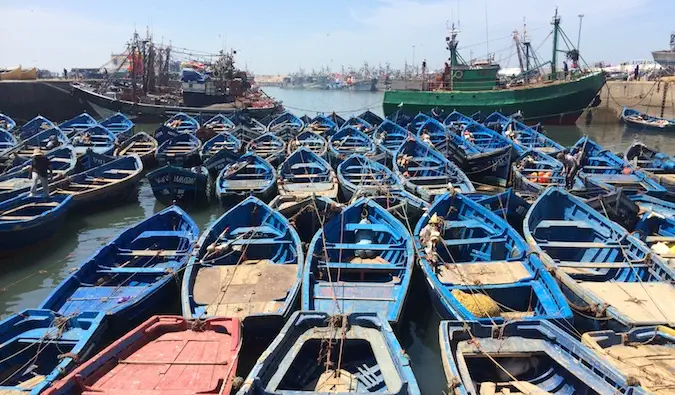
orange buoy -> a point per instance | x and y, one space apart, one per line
626 170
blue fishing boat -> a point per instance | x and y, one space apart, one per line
610 277
131 277
524 357
372 118
457 120
20 179
507 205
358 173
221 141
182 123
657 165
361 260
121 126
248 265
389 137
534 171
34 126
357 353
26 221
38 347
523 137
308 214
348 141
305 174
417 122
310 140
323 125
7 124
639 120
7 141
337 120
650 203
90 160
478 268
306 119
182 150
44 141
219 124
178 185
643 354
141 144
434 133
97 138
78 124
482 153
111 184
402 204
248 175
360 124
286 126
269 147
603 168
427 173
164 133
247 133
400 118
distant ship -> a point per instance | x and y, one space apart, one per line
666 58
558 97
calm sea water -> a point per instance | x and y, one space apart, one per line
27 279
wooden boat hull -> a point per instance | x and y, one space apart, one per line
77 124
127 360
141 144
34 126
641 121
544 358
20 228
306 174
172 185
479 253
612 280
248 264
405 206
158 113
307 215
113 183
251 175
71 339
359 173
359 264
369 342
152 254
121 126
182 150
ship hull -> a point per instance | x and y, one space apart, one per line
664 58
158 113
553 103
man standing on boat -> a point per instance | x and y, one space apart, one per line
571 165
41 170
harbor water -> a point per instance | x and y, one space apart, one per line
26 279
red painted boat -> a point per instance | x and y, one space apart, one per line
164 355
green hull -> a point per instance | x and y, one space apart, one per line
551 103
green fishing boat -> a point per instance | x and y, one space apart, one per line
554 97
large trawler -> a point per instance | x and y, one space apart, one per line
553 96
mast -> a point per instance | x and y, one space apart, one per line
452 47
554 58
519 51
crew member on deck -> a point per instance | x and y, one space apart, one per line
571 164
41 170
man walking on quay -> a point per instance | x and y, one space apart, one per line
41 169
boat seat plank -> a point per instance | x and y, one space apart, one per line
652 364
483 240
656 239
352 227
16 217
264 229
575 244
486 273
598 265
120 171
641 303
563 224
253 287
356 246
134 270
152 253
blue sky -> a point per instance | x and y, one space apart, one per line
274 36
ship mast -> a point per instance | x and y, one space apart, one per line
452 47
554 59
